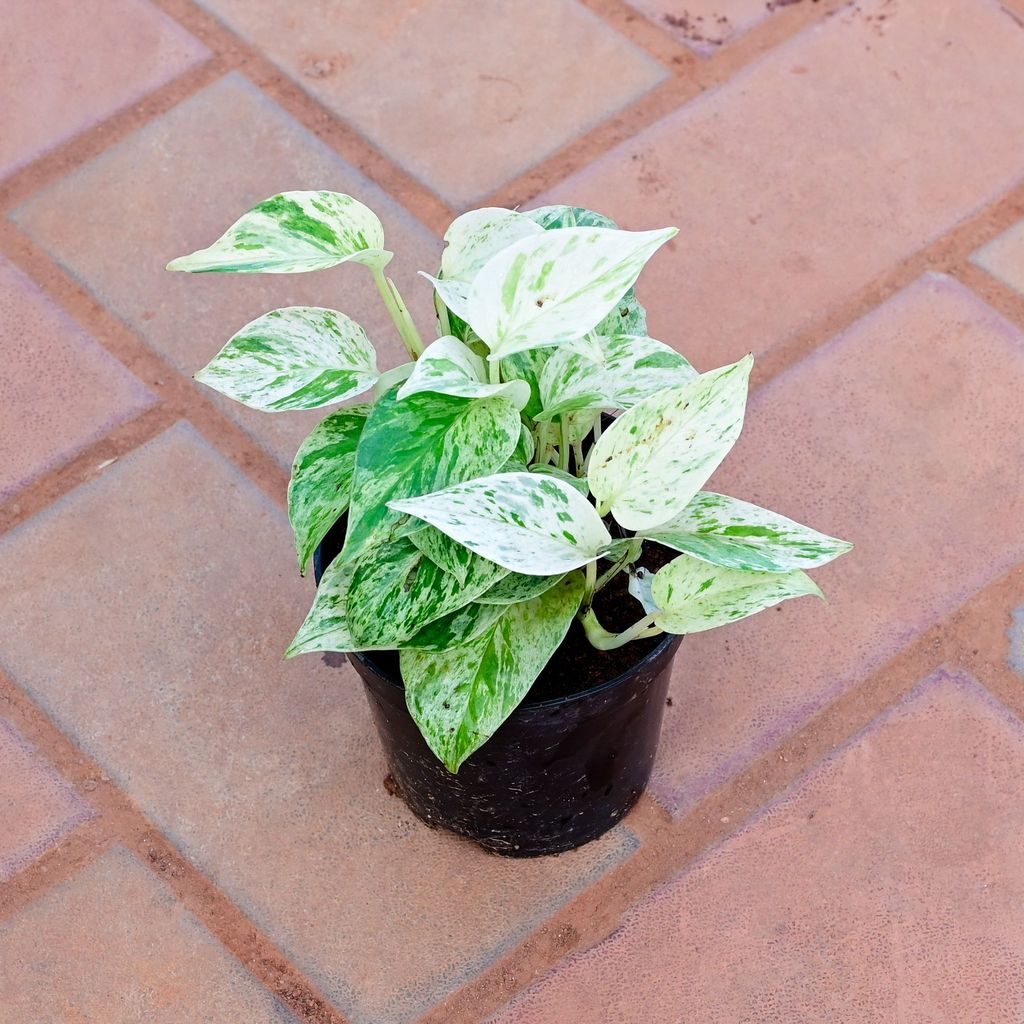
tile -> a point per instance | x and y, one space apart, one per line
705 25
902 435
65 67
111 944
464 94
37 807
821 166
1016 652
1003 257
59 392
185 178
886 886
167 669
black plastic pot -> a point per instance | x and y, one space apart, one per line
557 774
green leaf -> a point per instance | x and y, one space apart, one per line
739 535
301 357
559 216
654 458
448 367
422 444
461 696
397 590
567 478
516 587
692 595
291 233
553 288
321 482
532 524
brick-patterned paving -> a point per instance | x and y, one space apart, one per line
192 829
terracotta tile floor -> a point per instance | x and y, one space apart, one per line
193 830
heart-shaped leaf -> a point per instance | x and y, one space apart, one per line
739 535
478 235
448 367
654 458
321 483
301 357
291 233
692 595
638 367
528 523
461 696
420 445
554 287
567 478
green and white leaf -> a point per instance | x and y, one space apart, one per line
528 366
389 378
418 446
478 235
648 465
291 233
456 628
397 590
321 481
460 697
527 447
641 581
571 381
692 595
301 357
553 288
528 523
733 533
560 474
516 587
444 552
448 367
637 367
454 294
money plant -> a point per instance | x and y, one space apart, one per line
487 499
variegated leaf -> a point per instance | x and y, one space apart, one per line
691 595
638 367
448 367
291 233
454 294
572 381
531 524
301 357
326 627
478 235
554 287
456 628
418 446
567 478
397 590
739 535
461 696
527 447
653 459
527 366
517 586
444 552
321 482
641 581
389 378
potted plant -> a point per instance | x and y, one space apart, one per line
508 567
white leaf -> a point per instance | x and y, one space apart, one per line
531 524
478 235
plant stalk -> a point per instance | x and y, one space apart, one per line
399 313
493 371
563 445
600 638
631 554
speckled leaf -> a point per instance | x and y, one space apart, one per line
291 233
532 524
456 628
637 367
397 590
692 595
460 697
527 447
321 482
422 445
448 367
554 287
478 235
444 552
739 535
641 581
573 481
517 586
571 381
454 294
326 627
528 366
301 357
654 458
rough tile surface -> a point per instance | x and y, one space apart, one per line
64 67
186 177
789 198
901 435
517 81
111 944
59 391
1004 257
705 25
168 666
860 897
37 807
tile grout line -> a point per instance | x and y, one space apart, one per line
120 821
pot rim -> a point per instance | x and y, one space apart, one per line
365 657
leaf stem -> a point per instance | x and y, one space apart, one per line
600 638
631 554
563 444
399 313
493 371
589 587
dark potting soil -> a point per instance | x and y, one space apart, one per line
577 665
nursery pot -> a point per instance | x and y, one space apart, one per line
557 774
